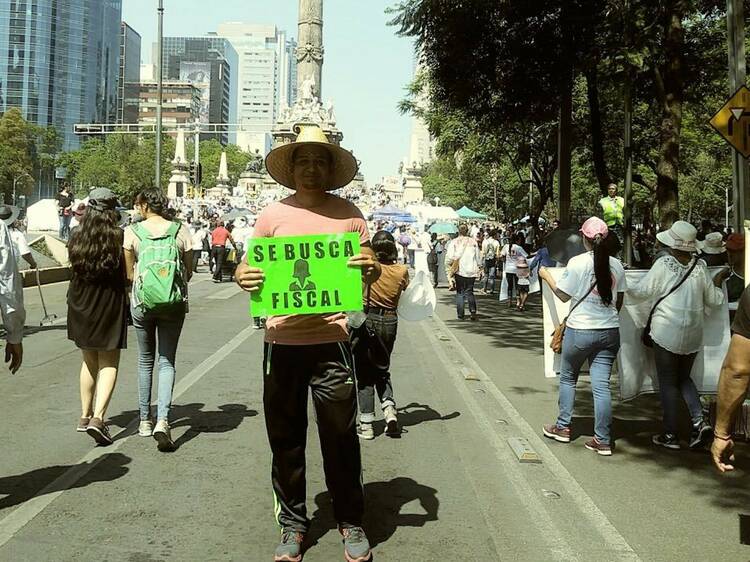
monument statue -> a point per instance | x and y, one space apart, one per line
255 165
307 90
310 40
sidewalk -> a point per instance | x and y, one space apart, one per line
660 501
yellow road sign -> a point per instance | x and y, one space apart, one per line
733 121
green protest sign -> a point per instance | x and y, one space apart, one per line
306 274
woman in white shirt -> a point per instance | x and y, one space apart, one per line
510 253
677 326
465 251
596 283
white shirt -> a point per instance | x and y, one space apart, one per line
677 324
592 313
425 241
11 289
19 242
511 254
198 236
474 231
465 250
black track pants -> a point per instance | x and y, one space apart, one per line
326 369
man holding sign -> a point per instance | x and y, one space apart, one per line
300 269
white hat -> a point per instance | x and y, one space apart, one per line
713 244
681 236
418 301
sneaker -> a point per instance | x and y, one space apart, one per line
701 435
356 545
668 440
391 421
146 428
598 447
99 431
365 431
561 434
83 424
473 317
290 546
163 437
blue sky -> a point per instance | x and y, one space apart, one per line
366 69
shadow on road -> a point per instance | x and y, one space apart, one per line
383 504
414 414
22 487
507 328
227 418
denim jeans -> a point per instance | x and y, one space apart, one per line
600 347
465 293
673 371
370 379
65 226
157 332
490 271
512 279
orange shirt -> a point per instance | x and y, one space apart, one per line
287 218
386 291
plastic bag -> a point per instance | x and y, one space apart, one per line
418 301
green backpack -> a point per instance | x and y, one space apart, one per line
159 281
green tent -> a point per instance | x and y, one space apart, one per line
466 213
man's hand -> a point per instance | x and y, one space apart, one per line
369 265
722 453
14 356
250 279
544 274
722 276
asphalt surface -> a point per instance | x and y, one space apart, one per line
450 488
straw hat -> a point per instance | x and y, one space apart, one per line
713 244
9 214
681 236
281 168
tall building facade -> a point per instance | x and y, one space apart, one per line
130 75
267 79
181 102
59 62
210 64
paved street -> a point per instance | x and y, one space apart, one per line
449 489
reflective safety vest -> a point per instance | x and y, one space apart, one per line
613 210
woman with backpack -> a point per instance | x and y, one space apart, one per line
382 319
158 303
682 289
97 308
595 282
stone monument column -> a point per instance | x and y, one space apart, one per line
310 48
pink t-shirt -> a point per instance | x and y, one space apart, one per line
287 218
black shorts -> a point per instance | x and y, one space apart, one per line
523 289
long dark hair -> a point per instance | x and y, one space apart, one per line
384 246
156 201
95 247
601 269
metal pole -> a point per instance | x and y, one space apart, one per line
196 186
737 76
159 81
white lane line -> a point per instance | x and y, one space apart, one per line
597 519
226 293
22 515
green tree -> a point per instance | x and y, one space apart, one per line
16 150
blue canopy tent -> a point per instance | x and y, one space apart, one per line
466 213
393 214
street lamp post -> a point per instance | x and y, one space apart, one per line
159 84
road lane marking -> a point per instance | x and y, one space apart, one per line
598 520
23 514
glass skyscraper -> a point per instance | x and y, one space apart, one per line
59 61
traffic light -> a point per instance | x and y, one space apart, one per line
198 174
192 172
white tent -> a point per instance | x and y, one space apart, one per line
428 213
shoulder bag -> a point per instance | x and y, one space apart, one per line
559 333
455 264
646 338
367 347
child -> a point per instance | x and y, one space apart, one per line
522 272
382 319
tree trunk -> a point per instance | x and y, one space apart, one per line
670 88
597 136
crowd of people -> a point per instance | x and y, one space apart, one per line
136 272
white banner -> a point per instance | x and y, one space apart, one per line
534 286
635 362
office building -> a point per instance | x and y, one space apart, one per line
181 103
59 61
267 79
210 64
130 75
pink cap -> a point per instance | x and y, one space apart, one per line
593 227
